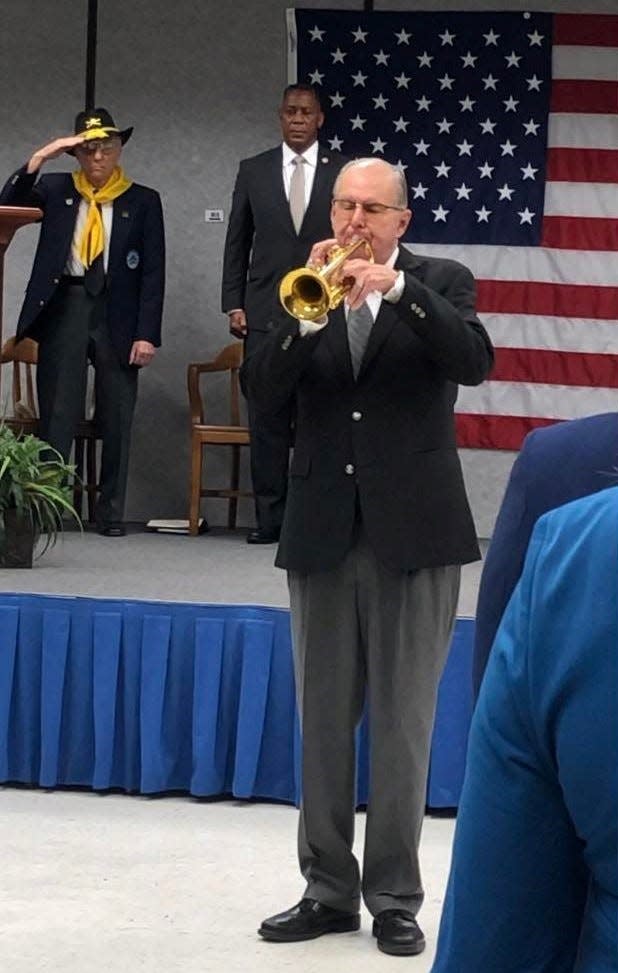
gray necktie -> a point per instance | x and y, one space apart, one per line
360 323
297 192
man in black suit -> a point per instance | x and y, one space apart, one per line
95 293
376 527
279 209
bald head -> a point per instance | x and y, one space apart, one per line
394 179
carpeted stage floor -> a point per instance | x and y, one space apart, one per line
218 567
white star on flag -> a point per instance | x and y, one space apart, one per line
505 192
463 191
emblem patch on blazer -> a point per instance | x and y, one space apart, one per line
132 259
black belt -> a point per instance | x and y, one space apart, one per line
70 279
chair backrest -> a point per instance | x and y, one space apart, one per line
24 356
229 359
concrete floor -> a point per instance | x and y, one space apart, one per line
116 884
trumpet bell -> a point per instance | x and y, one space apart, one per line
308 294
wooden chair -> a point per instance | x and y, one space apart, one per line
234 435
24 417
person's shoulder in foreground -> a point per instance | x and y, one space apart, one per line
534 878
556 464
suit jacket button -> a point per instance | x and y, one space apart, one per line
349 469
56 280
41 303
357 416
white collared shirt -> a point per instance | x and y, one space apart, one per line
74 267
310 156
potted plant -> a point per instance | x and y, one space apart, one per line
35 493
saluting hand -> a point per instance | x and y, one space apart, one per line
52 150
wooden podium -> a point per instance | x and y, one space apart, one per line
11 218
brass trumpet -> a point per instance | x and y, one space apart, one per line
308 294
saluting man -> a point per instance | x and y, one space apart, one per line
95 293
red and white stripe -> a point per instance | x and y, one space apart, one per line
552 311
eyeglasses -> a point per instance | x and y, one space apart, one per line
371 209
106 148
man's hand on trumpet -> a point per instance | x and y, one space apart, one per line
364 275
367 277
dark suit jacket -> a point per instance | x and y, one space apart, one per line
389 435
556 464
134 293
261 244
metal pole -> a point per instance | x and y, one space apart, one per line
91 53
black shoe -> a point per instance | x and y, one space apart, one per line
398 933
307 920
261 536
111 530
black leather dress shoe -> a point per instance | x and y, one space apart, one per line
398 933
261 536
307 920
112 530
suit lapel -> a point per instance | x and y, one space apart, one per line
320 190
336 335
274 183
124 212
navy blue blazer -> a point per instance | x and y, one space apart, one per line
136 266
534 875
556 464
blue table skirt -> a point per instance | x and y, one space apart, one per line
153 697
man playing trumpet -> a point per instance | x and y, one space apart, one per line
376 527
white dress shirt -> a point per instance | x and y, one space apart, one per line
310 156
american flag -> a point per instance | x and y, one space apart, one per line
506 125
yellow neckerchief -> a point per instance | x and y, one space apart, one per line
92 242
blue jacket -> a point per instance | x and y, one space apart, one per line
556 465
136 267
534 877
